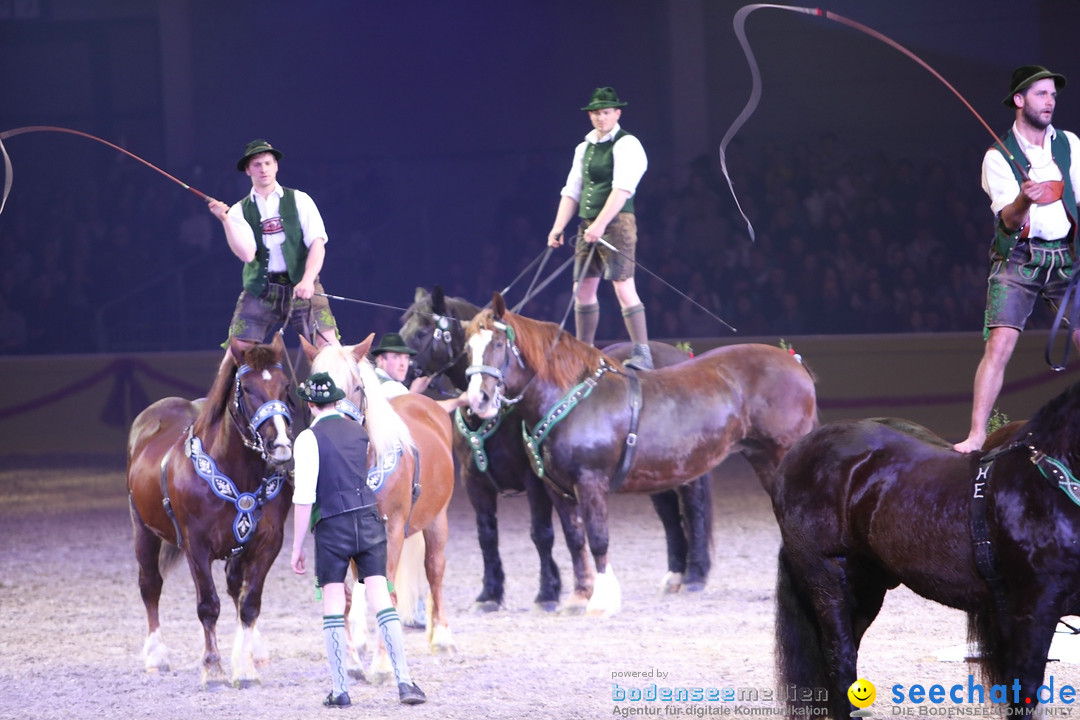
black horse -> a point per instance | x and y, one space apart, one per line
866 505
492 461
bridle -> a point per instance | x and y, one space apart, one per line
499 373
248 424
442 337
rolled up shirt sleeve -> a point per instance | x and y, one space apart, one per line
630 164
305 468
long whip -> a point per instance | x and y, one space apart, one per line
8 172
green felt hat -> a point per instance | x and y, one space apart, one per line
320 389
254 148
1024 76
392 342
604 97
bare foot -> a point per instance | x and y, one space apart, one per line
969 445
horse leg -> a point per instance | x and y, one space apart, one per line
147 550
815 644
606 597
208 608
543 536
1018 648
482 496
355 626
574 533
244 575
435 536
697 511
666 504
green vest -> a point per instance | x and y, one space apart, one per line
1004 241
294 249
597 170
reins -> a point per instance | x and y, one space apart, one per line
1069 312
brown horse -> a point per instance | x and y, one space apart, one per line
492 461
865 505
597 428
207 479
413 470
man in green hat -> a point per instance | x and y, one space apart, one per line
1033 198
279 235
600 188
331 463
392 357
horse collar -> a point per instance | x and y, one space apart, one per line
533 439
558 411
248 505
477 438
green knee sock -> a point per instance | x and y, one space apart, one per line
586 318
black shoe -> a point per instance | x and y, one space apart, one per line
410 694
641 359
341 700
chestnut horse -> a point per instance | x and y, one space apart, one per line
412 471
597 428
492 462
866 505
208 480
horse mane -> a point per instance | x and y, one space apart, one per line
1054 427
257 357
555 355
386 429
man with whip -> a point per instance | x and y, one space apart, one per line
279 235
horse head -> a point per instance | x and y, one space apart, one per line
496 364
351 370
433 327
260 404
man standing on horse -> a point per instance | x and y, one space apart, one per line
604 176
1032 191
331 473
279 235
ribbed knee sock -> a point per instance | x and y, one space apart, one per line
334 634
586 318
390 629
634 317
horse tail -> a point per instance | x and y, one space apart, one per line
984 633
168 556
410 582
800 660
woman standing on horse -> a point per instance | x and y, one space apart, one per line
331 472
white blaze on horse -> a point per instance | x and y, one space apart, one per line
207 480
596 428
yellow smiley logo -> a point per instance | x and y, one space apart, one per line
862 693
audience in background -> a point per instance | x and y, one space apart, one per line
846 243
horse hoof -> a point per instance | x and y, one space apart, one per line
573 610
245 683
357 674
695 586
547 606
486 606
670 589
